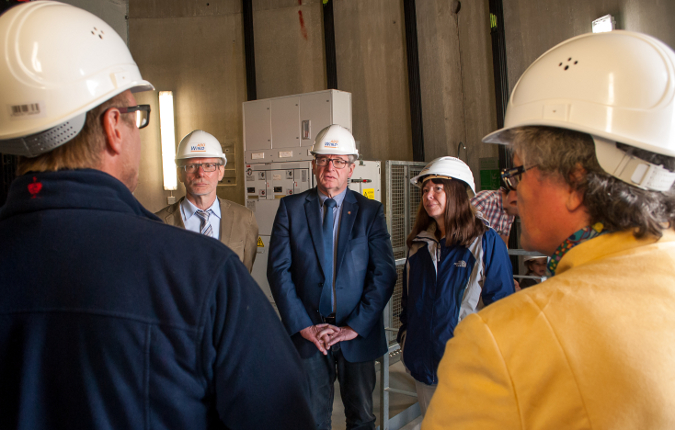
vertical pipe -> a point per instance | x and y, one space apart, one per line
249 49
329 45
499 69
502 97
414 91
384 391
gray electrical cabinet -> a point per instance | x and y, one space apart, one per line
283 129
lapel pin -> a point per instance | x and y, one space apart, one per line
349 212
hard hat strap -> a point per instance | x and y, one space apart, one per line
630 169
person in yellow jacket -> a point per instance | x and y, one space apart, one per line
591 126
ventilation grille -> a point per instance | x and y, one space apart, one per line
402 202
397 210
415 198
401 205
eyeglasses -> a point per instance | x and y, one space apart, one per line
513 176
207 167
142 114
338 163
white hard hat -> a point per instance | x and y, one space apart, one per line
199 144
335 140
445 168
56 63
617 86
534 257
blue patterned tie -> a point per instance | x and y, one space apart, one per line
205 226
325 304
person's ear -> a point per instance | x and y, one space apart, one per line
575 198
351 170
112 123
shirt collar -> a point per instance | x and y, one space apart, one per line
338 199
189 209
580 236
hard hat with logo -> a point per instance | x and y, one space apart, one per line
617 86
199 144
56 63
445 168
334 140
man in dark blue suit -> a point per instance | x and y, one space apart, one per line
331 270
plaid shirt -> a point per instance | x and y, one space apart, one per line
488 203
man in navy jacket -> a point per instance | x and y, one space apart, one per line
331 292
110 319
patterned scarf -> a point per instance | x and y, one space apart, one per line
586 233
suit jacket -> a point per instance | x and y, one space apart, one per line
238 228
365 271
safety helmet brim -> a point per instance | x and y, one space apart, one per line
445 168
59 62
141 86
334 140
199 144
534 257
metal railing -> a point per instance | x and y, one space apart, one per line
391 323
409 414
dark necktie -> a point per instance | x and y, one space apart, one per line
325 304
205 227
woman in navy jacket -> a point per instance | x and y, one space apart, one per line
454 262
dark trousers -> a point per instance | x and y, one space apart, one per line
357 382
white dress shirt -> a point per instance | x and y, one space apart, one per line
193 222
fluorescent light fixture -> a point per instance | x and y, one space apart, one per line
603 24
168 137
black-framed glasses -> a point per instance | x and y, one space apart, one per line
142 114
338 163
207 167
512 176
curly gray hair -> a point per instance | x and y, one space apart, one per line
619 206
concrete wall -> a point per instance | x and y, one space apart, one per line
290 59
289 53
195 48
458 102
197 51
371 64
456 80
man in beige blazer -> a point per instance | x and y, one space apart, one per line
201 165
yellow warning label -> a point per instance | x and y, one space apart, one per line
260 242
370 193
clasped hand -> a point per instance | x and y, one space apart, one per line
323 336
